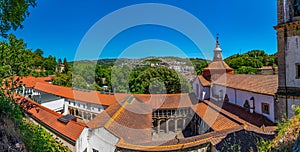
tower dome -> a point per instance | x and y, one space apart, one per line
217 67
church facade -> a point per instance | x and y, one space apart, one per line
254 93
288 37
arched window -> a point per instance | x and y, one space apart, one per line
247 105
226 98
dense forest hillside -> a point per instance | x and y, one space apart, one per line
248 63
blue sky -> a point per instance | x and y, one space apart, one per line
58 26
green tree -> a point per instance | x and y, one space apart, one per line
39 52
13 13
120 79
103 75
50 63
15 59
66 66
79 82
63 79
249 62
158 80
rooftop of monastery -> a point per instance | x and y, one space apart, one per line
203 81
263 84
136 134
49 118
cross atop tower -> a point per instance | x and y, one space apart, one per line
217 41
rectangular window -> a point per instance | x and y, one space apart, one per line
265 108
298 71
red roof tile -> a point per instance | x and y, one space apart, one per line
216 120
218 65
203 81
93 97
48 117
30 81
263 84
167 101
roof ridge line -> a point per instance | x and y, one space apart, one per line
117 113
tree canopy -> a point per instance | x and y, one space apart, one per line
157 81
249 62
13 13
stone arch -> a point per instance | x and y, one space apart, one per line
163 125
226 98
179 124
89 116
94 116
171 124
71 111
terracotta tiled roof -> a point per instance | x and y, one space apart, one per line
49 118
251 122
216 120
218 65
131 121
254 119
167 101
212 137
101 119
203 81
93 97
30 81
264 84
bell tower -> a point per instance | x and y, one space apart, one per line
288 41
218 51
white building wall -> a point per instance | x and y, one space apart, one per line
94 108
102 140
291 104
239 97
203 93
82 141
55 105
242 96
292 57
196 83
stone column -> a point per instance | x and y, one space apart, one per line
158 126
167 126
175 125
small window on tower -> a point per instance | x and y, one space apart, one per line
298 71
